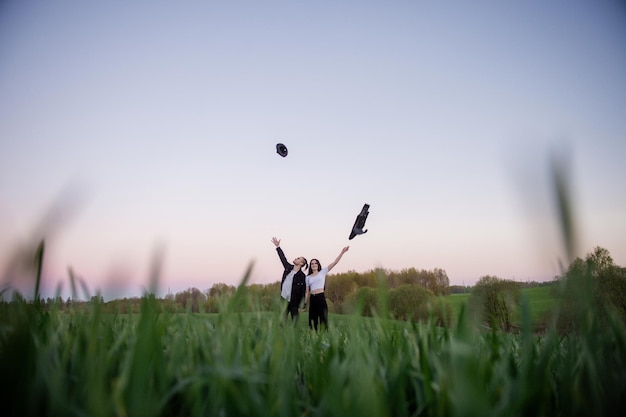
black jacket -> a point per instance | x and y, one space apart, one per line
298 288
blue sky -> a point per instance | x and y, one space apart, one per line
153 125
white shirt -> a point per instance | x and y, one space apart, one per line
285 292
317 281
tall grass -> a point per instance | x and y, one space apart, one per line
230 364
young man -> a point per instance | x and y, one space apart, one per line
293 283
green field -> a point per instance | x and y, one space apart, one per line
457 301
86 363
540 301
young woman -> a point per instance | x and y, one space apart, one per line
315 283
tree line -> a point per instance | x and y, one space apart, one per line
594 283
409 294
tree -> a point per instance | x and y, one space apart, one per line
408 276
612 288
442 282
339 287
594 283
599 261
192 299
96 299
220 289
367 279
493 301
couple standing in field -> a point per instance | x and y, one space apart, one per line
296 287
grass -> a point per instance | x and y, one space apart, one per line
257 364
541 302
457 302
155 363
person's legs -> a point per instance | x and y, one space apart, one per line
316 311
292 308
311 317
324 313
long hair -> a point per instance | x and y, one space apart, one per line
318 264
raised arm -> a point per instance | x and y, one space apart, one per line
344 250
281 254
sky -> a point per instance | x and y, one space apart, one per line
140 136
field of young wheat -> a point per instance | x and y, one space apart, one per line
155 363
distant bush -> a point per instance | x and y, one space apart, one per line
364 301
441 313
494 301
411 302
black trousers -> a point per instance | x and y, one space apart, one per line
292 308
318 311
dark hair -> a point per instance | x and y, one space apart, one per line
318 263
305 263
